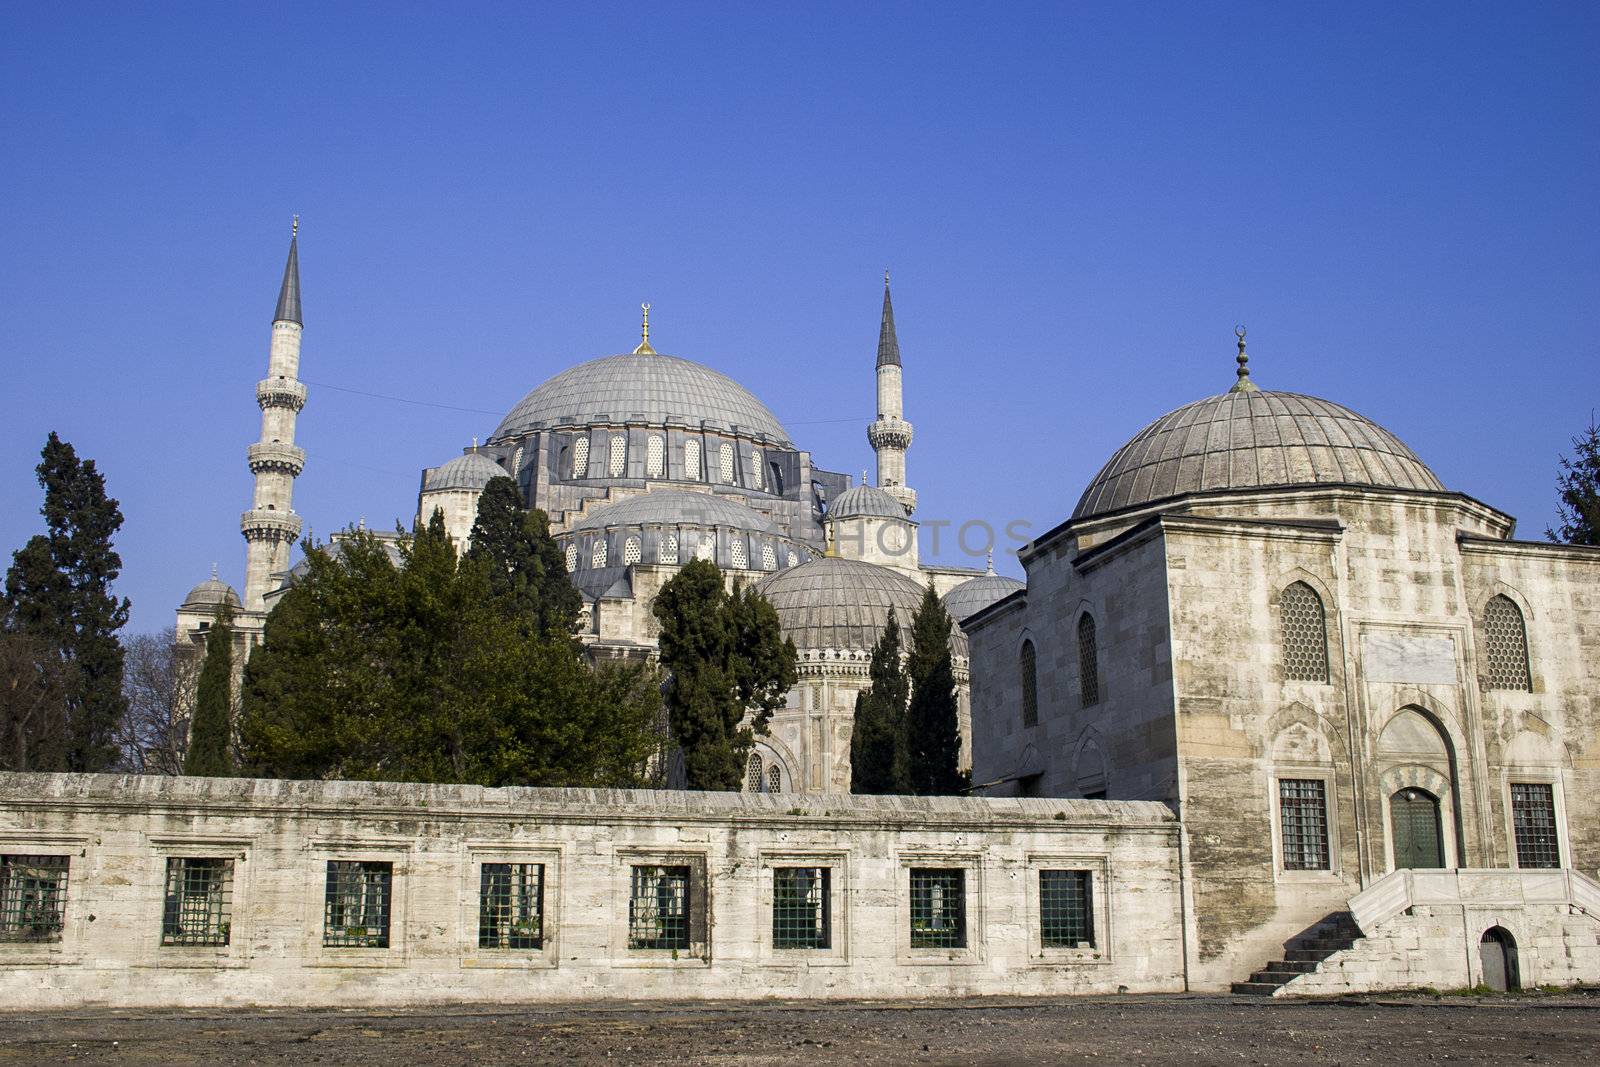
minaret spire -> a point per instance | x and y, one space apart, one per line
1243 384
289 291
890 433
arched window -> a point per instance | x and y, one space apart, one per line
516 461
691 459
598 557
655 457
769 558
774 779
580 458
1029 667
752 774
1305 634
790 559
737 554
725 462
619 455
572 558
755 467
630 551
1505 646
669 549
1088 661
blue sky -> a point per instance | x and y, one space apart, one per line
1078 202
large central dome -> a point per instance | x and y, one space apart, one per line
1250 439
647 387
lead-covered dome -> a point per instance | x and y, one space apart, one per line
834 603
469 471
677 507
865 501
975 594
1250 439
210 595
645 387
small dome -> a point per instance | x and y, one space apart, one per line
209 595
470 471
975 594
844 603
868 501
677 506
641 386
1248 440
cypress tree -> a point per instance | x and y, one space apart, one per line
1578 486
933 726
526 571
211 732
58 590
878 756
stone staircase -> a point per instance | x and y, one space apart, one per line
1303 955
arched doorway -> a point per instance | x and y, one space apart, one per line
1497 952
1415 830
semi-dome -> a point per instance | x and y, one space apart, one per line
642 386
1250 439
844 603
210 595
866 501
470 471
975 594
677 507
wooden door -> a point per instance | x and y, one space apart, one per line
1414 822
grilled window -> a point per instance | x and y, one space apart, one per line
800 907
769 558
790 559
1505 645
755 469
655 457
597 558
737 554
580 458
356 904
630 551
1533 820
199 901
668 552
938 907
691 460
33 897
725 460
511 906
619 455
774 779
1088 662
572 558
1066 910
658 907
1029 666
1305 634
752 773
1303 819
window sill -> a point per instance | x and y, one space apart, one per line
658 957
513 960
1070 957
934 957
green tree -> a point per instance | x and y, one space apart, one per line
411 671
729 662
933 727
878 757
58 590
526 570
33 705
1579 487
211 731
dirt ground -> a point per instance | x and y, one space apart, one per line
1556 1029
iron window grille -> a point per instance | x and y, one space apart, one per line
1088 662
655 461
1030 684
691 460
752 773
580 458
738 557
572 558
658 907
725 462
1505 645
1305 634
1066 909
938 907
1303 818
774 779
619 456
198 909
1533 821
800 907
511 906
631 552
33 897
669 549
356 907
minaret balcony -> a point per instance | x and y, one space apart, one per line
889 432
281 393
263 524
275 456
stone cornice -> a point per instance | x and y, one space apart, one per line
1467 542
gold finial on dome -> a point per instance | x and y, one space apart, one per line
1244 384
644 348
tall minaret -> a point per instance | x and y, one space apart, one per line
271 527
890 434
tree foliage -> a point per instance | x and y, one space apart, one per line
525 567
58 591
933 725
879 761
369 669
33 705
210 750
1578 485
729 662
159 681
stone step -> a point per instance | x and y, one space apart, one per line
1306 955
1255 989
1326 944
1291 966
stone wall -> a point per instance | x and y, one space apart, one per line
118 835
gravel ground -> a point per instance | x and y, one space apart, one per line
1554 1029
